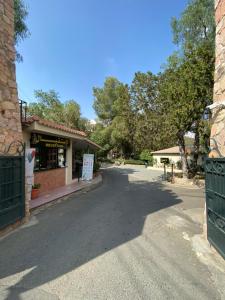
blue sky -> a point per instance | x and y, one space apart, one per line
75 44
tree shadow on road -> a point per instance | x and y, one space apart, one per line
80 229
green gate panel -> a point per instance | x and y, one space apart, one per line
12 189
215 202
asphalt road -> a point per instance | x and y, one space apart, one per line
131 238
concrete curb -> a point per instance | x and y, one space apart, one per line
166 183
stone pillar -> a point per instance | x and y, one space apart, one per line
10 124
217 141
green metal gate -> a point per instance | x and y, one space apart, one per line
215 202
12 185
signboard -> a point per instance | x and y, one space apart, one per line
88 162
29 162
164 160
48 141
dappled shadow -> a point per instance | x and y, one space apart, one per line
75 231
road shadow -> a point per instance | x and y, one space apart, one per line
80 229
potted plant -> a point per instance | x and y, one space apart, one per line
35 190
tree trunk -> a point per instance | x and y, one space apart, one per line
196 149
182 148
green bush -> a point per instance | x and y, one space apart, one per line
36 186
178 175
179 164
96 166
146 156
106 160
119 161
133 162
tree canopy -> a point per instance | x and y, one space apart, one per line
49 106
21 30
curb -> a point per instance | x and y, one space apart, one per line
182 186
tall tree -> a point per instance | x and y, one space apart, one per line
104 99
194 33
123 123
49 106
149 128
21 29
112 106
184 92
196 26
143 92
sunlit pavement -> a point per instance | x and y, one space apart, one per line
131 238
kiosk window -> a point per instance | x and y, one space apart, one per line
50 154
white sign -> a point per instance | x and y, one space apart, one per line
88 162
29 162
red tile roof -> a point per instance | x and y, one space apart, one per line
174 150
54 125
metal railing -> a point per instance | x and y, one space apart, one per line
23 111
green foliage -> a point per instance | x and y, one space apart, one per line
21 30
96 166
179 165
112 106
133 162
49 106
186 86
104 99
106 160
146 155
36 186
196 25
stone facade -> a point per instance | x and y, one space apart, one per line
217 141
10 125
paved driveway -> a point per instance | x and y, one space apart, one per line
131 238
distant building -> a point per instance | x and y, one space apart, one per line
174 156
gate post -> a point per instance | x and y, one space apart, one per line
10 123
10 120
217 138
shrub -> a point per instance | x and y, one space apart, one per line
36 186
119 161
146 155
178 175
96 166
106 160
154 162
133 162
179 165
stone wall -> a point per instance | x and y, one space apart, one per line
217 141
10 125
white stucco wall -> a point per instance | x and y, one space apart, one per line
174 158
